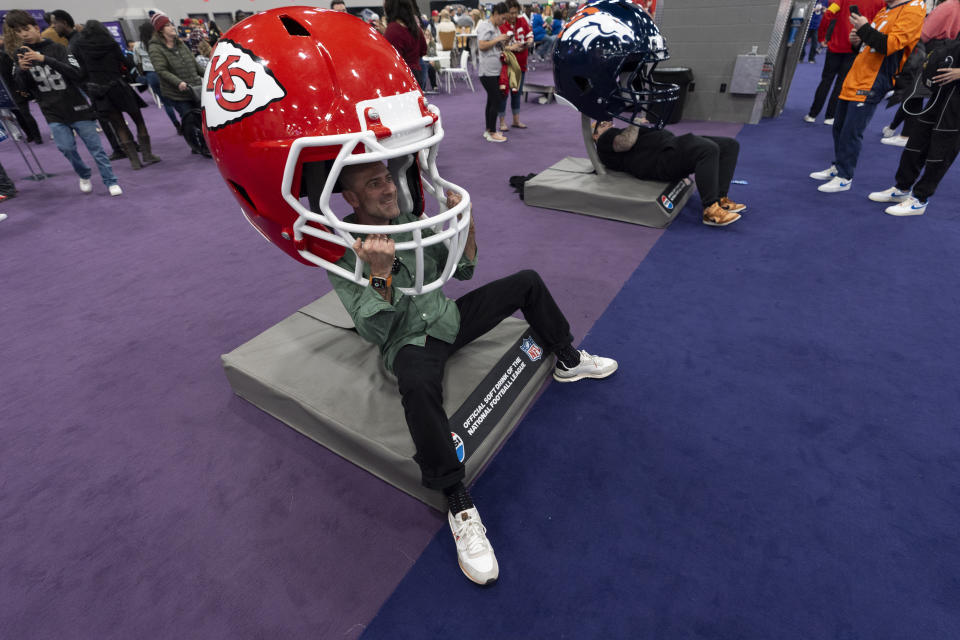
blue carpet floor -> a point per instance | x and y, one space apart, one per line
778 456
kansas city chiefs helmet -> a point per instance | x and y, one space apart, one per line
293 95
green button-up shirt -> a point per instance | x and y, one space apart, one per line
408 319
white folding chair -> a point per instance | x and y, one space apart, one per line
451 72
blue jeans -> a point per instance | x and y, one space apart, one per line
87 131
849 124
514 99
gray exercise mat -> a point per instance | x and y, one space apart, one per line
573 185
313 372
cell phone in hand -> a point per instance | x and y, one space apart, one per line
24 50
854 10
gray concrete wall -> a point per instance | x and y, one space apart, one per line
707 36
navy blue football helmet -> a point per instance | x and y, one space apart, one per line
604 60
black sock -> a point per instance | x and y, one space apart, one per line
568 357
458 498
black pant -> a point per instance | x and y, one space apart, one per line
419 370
25 119
933 145
812 41
711 159
7 187
491 84
914 105
835 67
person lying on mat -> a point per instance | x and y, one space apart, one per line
417 334
648 153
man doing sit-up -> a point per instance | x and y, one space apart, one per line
649 153
416 335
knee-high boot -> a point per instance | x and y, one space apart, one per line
131 149
147 151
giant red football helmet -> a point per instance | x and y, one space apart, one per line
293 95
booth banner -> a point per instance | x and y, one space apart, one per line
6 96
36 13
117 32
484 408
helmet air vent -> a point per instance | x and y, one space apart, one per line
293 27
243 194
583 84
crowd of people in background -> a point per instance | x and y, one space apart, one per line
891 50
83 65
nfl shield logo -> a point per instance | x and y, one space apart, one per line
530 348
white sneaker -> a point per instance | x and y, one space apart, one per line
890 195
888 132
489 137
589 367
828 121
826 174
895 141
85 185
836 185
115 190
909 207
809 118
474 552
3 217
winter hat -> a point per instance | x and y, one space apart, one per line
159 21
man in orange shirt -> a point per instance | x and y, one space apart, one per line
884 46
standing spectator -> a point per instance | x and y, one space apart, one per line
834 32
521 39
490 43
50 33
175 65
940 28
142 58
884 50
21 98
48 71
404 33
934 139
64 25
339 5
812 39
102 63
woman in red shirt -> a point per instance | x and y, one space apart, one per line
519 44
404 33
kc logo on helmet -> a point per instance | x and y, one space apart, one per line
236 85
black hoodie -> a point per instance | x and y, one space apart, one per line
54 82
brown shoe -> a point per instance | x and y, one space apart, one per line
717 216
732 206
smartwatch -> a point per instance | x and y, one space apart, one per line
381 283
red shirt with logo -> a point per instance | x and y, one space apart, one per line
522 34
